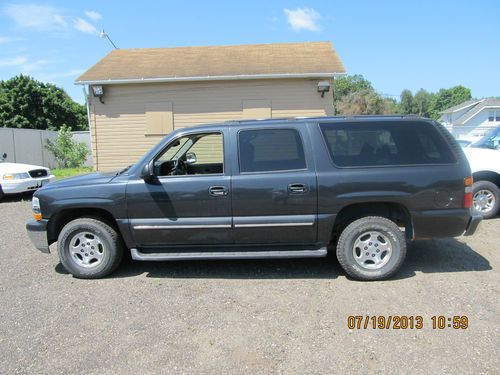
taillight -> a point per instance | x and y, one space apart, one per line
468 192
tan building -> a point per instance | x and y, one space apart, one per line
137 96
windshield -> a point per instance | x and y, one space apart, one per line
490 140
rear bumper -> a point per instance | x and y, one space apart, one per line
444 223
37 232
473 224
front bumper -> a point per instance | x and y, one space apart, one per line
473 224
28 184
37 231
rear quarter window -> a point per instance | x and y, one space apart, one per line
368 144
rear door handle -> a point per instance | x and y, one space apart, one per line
297 188
217 191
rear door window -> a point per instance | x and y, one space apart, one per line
381 143
267 150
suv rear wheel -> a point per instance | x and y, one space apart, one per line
371 248
89 248
485 198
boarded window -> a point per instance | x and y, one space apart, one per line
159 118
256 109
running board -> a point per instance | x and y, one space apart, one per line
269 254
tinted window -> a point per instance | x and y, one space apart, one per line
378 143
270 150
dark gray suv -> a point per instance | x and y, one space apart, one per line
289 188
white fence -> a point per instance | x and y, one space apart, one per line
28 146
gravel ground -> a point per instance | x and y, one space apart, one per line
254 317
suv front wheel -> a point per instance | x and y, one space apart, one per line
371 248
89 248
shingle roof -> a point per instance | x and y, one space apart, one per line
490 102
240 61
463 105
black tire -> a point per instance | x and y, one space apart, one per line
392 237
109 242
486 186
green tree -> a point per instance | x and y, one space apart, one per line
446 98
27 103
361 103
348 85
421 103
406 102
390 106
68 153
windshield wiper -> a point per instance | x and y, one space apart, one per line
124 170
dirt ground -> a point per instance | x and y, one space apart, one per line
246 317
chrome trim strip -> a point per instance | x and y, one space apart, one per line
273 225
181 223
274 221
224 222
193 226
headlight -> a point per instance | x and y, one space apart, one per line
16 176
35 206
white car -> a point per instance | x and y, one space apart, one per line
19 178
484 160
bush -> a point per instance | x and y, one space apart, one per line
68 153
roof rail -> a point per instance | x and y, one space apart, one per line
337 117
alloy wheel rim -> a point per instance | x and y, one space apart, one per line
372 250
86 249
483 200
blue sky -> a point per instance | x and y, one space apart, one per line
395 44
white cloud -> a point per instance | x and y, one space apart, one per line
52 77
48 18
303 19
84 26
22 63
30 66
8 39
13 61
93 15
37 17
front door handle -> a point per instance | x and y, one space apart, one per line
297 188
217 191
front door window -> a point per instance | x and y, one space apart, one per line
195 154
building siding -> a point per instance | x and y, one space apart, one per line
118 127
476 127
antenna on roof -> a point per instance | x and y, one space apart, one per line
105 35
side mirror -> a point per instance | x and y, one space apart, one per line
147 172
4 156
190 158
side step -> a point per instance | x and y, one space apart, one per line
269 254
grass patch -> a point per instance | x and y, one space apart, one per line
70 172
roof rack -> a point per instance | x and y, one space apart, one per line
324 118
